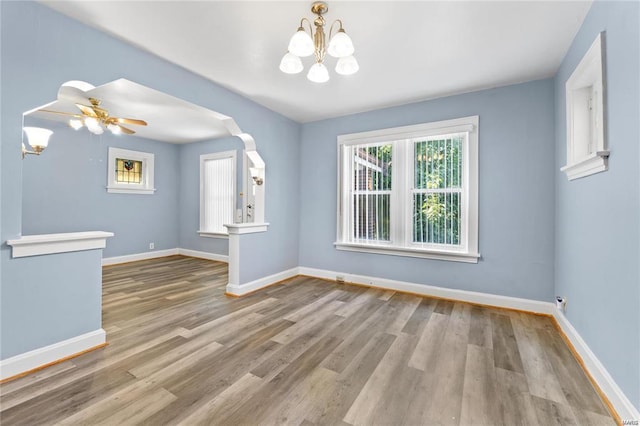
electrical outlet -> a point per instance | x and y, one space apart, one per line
152 246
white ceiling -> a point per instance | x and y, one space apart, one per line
408 51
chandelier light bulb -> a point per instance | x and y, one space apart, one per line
318 73
301 44
75 124
291 64
315 42
340 45
347 65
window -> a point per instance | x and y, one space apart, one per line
130 172
586 143
217 192
411 191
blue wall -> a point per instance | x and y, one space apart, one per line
598 217
516 193
189 196
53 298
42 49
64 191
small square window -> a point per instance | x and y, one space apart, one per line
130 172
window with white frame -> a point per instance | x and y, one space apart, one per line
130 172
410 191
217 192
587 151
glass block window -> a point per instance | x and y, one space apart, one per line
128 171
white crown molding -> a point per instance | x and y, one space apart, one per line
599 373
48 354
35 245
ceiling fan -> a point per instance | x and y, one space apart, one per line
95 118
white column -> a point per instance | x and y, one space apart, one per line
236 231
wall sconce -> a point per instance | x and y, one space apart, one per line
38 139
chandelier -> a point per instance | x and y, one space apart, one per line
305 44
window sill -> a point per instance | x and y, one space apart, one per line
126 190
410 252
209 234
595 163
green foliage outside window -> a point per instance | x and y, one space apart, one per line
438 170
437 191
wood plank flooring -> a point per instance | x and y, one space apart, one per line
306 352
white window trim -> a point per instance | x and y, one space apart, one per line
467 253
147 160
215 156
587 155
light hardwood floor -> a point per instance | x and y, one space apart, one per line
303 352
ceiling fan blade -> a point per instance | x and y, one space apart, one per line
60 112
125 130
131 121
87 110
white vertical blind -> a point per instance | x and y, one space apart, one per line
369 189
218 188
438 189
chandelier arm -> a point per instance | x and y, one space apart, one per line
331 27
308 23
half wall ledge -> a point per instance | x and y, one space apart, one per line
36 245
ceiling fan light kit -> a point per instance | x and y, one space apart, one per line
96 119
75 123
303 44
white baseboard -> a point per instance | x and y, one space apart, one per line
240 290
204 255
163 253
428 290
607 385
138 256
39 357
